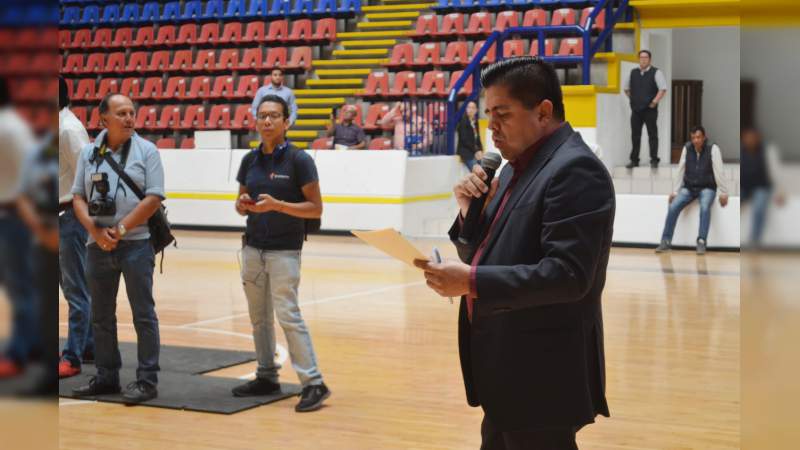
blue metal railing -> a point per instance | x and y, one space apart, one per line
497 38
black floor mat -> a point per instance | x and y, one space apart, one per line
181 383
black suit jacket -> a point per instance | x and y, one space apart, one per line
532 356
467 143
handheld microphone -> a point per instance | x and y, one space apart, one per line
490 162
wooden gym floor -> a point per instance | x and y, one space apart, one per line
387 348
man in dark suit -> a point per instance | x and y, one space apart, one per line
530 322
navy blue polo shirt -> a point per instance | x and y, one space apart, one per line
281 174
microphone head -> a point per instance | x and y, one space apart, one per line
491 161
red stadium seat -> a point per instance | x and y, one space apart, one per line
427 54
187 144
170 118
130 87
102 38
599 21
254 32
209 34
466 89
548 47
152 88
223 88
231 33
480 24
380 143
536 17
252 59
64 39
144 37
514 47
376 81
427 25
452 23
85 90
166 36
506 19
200 88
187 34
322 143
456 54
433 83
194 118
181 61
73 64
95 63
159 61
106 86
123 37
402 55
176 88
115 63
405 84
242 118
563 16
301 31
325 30
94 120
571 47
278 31
80 113
166 143
204 61
247 87
146 118
301 58
219 118
137 62
276 57
82 38
490 55
228 60
375 113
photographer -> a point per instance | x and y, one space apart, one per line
119 245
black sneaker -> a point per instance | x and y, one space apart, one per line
88 357
139 391
654 164
96 388
631 165
256 387
312 397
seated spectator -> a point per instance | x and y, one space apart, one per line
699 177
346 133
394 119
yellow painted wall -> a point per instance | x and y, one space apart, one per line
687 13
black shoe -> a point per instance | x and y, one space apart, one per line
701 247
654 164
312 397
664 246
139 391
88 357
631 165
256 387
96 388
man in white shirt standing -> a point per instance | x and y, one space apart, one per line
276 87
645 86
700 176
72 137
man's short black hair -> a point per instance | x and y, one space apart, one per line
529 79
649 55
104 106
275 99
697 128
63 93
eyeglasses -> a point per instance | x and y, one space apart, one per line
272 116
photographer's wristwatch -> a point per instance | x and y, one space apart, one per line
122 230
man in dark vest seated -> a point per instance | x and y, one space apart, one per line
699 177
645 87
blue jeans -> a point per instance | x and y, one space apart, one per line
759 200
16 273
135 261
72 261
684 197
271 279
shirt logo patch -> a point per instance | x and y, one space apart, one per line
277 176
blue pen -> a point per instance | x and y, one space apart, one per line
437 258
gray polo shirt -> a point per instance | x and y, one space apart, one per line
143 166
348 134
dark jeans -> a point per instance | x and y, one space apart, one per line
551 439
135 261
16 267
647 117
72 259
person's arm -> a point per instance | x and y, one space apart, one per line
578 211
677 183
70 143
310 208
662 88
106 238
626 85
330 128
387 121
153 191
362 141
292 108
719 174
47 236
256 100
243 201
